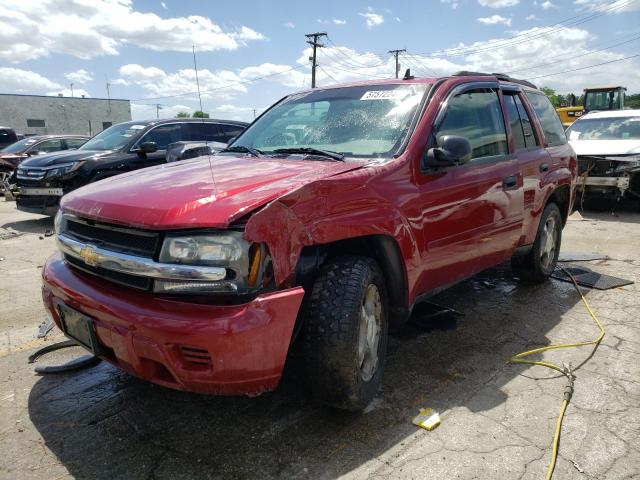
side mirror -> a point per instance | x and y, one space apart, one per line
33 152
147 147
452 150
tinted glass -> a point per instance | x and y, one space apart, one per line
529 137
365 121
477 116
614 128
602 100
230 131
551 125
75 142
202 132
163 136
52 145
514 120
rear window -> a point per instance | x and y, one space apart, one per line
551 125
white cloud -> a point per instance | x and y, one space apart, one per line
163 5
289 25
454 4
548 5
495 19
397 19
373 19
498 3
87 29
16 80
66 92
531 17
79 76
619 6
338 21
288 77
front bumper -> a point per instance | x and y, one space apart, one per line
213 349
42 204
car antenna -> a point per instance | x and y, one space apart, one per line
407 75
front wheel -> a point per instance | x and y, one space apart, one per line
540 261
345 332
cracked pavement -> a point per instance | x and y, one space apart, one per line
497 418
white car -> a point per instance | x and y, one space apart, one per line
608 148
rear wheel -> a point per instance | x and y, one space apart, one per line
345 332
540 261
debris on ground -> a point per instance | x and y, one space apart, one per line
581 256
76 364
45 327
588 278
428 419
48 233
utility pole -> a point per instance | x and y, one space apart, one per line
395 54
314 43
158 108
108 92
71 85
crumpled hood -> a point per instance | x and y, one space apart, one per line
63 156
606 147
195 193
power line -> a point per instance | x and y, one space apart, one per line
418 62
573 57
351 59
525 37
587 67
327 74
337 61
233 84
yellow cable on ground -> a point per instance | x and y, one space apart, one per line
519 358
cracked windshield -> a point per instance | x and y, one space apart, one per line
366 121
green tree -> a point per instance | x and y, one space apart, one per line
551 94
199 114
182 115
632 101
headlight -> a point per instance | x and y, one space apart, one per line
58 222
229 250
60 170
218 250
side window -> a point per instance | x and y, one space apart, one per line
529 137
48 146
231 131
551 125
476 115
75 142
202 132
162 135
514 120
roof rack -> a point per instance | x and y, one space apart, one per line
500 76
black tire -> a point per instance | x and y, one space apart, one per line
537 264
332 323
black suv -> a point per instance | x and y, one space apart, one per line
128 146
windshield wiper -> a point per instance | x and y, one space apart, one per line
312 151
254 152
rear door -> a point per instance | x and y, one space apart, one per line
472 213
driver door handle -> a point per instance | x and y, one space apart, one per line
510 182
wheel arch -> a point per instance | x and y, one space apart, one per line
561 196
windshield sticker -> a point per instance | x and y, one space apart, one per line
574 135
136 127
396 94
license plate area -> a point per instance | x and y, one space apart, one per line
55 192
78 327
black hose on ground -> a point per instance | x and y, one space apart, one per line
82 362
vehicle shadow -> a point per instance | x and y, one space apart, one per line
605 209
101 423
35 225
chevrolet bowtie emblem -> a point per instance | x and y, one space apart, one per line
89 255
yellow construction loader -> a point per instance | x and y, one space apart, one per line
594 99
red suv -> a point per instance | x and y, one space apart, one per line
325 222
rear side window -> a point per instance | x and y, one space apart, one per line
476 115
52 145
529 137
551 125
75 142
514 120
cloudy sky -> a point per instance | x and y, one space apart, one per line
250 53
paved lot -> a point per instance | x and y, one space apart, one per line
497 419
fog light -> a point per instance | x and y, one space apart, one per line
170 286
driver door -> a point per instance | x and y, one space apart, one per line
162 135
471 213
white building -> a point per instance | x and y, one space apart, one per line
38 114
